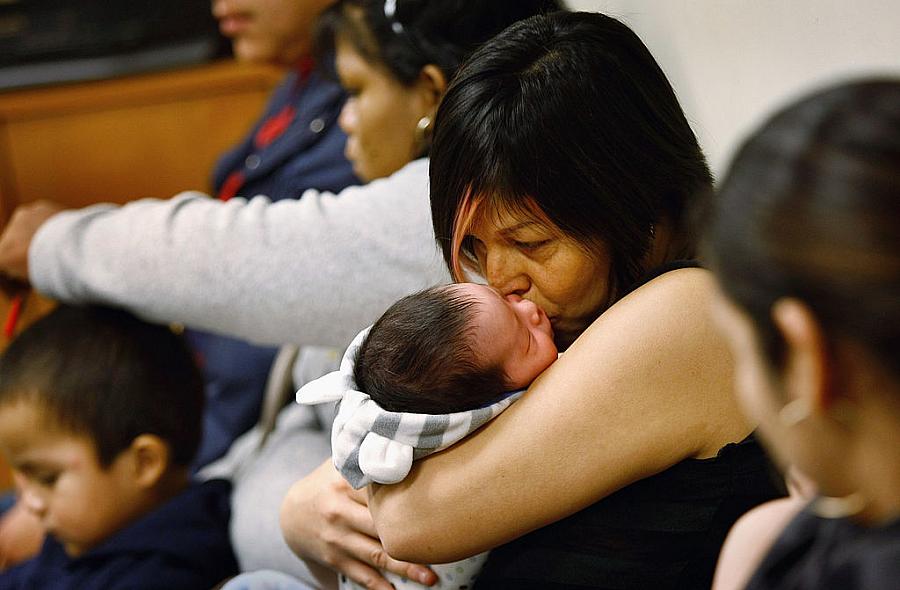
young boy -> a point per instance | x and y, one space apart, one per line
100 418
453 348
435 367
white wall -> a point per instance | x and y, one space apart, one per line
732 61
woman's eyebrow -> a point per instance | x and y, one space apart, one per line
514 228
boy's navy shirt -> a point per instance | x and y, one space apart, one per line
181 545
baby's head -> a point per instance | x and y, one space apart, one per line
100 417
453 348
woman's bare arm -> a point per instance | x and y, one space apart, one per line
647 385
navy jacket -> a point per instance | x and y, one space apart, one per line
182 545
309 154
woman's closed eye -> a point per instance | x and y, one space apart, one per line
530 246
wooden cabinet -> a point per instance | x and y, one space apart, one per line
151 135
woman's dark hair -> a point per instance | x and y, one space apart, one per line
566 117
810 208
105 374
407 35
420 356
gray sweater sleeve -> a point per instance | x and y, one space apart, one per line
312 271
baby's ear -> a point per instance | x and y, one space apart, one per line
150 459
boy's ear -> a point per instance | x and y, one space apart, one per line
150 459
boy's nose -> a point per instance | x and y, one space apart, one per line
33 502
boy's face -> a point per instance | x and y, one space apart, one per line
514 332
60 479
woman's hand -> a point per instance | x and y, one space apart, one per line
18 234
323 518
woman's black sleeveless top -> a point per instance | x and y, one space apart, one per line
661 532
831 554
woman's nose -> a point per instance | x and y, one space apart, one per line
504 275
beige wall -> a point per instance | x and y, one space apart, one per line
731 61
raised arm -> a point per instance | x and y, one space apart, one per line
313 271
647 385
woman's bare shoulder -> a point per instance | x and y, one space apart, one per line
661 340
750 539
684 292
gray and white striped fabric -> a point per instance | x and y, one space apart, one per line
372 445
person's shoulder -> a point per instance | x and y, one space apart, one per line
409 183
686 282
750 539
415 171
678 297
661 342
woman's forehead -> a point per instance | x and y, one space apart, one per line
501 216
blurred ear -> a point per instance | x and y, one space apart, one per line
808 368
433 84
150 459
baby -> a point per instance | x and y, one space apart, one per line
100 418
434 368
453 348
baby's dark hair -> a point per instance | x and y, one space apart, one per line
103 373
420 356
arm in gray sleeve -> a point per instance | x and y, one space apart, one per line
312 271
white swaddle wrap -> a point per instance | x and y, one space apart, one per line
372 445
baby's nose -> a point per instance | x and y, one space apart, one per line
526 307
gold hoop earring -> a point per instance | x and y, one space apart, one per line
795 412
423 134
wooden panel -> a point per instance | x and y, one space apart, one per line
122 139
118 140
138 151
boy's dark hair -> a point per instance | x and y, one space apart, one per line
420 357
103 373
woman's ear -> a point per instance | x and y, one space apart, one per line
150 459
433 84
807 372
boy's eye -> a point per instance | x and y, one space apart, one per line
45 479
